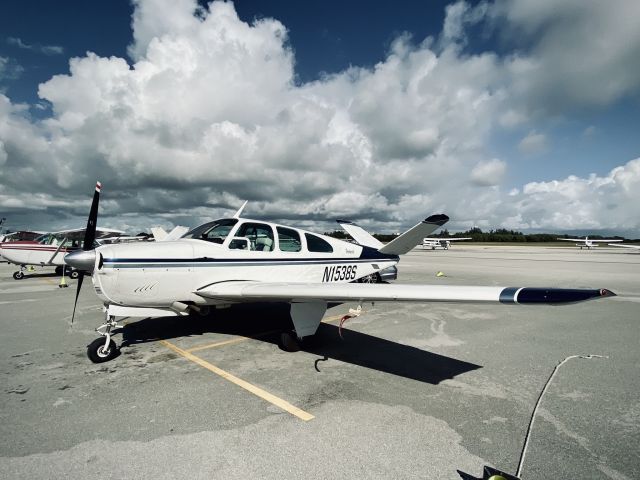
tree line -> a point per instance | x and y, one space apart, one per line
477 235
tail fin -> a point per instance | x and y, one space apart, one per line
412 237
360 235
176 233
159 233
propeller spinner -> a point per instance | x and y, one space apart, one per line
85 259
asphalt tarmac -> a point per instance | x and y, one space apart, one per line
409 391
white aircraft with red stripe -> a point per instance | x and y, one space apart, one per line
49 249
236 260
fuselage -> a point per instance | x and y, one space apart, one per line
159 274
433 244
43 251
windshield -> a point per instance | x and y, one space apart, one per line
215 231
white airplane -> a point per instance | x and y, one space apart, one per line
48 249
15 237
235 260
635 247
444 243
586 243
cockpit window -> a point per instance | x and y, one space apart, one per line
215 231
257 236
46 239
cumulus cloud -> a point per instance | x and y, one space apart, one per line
533 143
593 202
574 54
209 114
488 173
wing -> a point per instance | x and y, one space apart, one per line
360 235
449 239
636 247
362 292
78 233
604 241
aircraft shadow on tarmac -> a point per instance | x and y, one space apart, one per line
264 322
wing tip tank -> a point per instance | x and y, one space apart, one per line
551 296
438 219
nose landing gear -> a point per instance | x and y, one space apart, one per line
104 348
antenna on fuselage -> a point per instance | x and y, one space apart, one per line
239 212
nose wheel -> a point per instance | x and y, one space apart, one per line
19 275
104 348
100 350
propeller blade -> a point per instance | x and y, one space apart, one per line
80 279
90 233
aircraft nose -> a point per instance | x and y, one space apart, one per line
81 260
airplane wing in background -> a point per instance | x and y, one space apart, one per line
449 239
635 247
78 233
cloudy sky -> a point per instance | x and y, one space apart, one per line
518 114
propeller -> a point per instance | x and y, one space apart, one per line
85 259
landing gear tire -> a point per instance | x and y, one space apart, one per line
98 354
74 274
58 270
289 342
18 275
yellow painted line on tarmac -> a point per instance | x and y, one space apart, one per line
278 402
244 339
218 344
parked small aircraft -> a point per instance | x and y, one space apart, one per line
16 237
635 247
48 249
586 242
234 260
445 243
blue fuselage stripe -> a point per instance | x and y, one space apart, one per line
220 262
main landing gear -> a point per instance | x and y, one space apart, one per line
104 349
289 342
